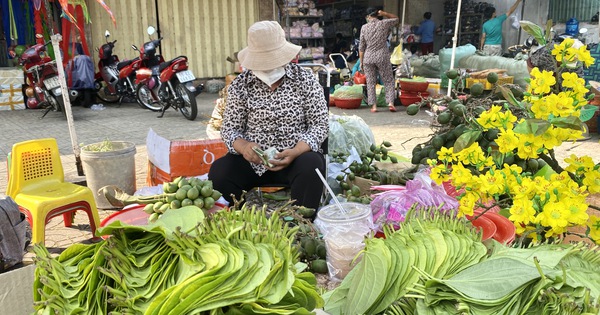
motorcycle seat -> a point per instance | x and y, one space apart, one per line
166 64
125 63
108 61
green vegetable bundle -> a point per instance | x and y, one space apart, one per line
235 262
435 264
546 279
438 243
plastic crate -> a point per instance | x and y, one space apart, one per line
487 85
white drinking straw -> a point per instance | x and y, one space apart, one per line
337 202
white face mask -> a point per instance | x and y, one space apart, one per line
271 76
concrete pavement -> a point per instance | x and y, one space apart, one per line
131 123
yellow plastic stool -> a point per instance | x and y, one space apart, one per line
36 183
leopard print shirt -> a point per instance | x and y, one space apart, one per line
373 40
295 111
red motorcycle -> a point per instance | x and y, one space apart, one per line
44 90
166 84
114 80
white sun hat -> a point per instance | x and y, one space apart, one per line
267 47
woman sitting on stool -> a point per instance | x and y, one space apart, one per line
273 104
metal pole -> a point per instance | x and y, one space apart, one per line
454 40
56 39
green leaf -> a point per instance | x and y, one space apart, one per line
493 279
545 171
532 126
373 268
509 96
549 255
534 30
570 122
185 217
466 140
587 112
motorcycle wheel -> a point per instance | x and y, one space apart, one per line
104 94
146 99
188 107
58 104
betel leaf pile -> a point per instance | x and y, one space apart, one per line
433 265
234 262
438 244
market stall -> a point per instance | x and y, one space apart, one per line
484 195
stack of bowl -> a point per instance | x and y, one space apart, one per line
412 91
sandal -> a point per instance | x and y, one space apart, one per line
392 108
373 109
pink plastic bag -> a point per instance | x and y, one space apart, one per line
391 207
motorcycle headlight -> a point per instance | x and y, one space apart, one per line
57 91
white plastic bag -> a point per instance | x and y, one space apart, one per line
356 133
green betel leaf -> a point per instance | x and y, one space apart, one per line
466 139
373 269
493 279
532 126
509 96
570 122
587 112
185 218
534 30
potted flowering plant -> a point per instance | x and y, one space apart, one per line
519 171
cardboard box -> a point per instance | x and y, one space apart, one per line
16 291
364 184
11 93
487 85
168 160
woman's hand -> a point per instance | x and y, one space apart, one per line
287 156
244 148
283 159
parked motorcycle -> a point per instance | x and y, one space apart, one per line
41 70
161 85
115 80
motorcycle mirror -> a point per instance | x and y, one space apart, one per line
583 30
151 30
106 34
134 47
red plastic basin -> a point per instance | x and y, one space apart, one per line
414 86
505 229
135 215
348 103
408 98
487 226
